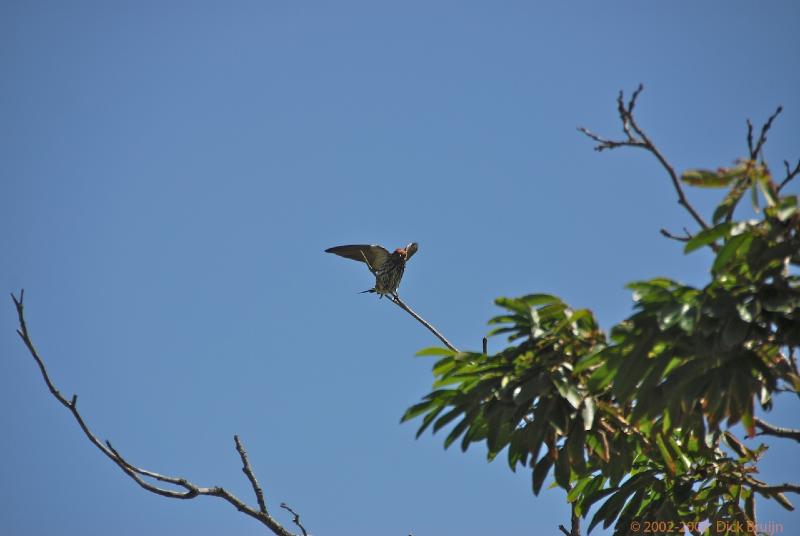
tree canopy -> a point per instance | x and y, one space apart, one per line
639 420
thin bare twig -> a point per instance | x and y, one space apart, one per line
575 523
248 471
686 238
636 137
755 150
295 518
395 299
777 431
790 174
190 490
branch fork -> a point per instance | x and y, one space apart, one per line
188 490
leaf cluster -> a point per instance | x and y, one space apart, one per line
639 421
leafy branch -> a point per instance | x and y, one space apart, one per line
137 474
637 417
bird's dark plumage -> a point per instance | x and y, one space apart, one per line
387 267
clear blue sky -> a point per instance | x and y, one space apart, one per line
171 172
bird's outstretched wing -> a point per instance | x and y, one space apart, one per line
375 255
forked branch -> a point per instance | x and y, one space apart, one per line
186 489
790 174
636 137
755 148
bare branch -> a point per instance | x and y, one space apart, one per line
686 238
248 471
636 137
395 299
295 518
777 431
189 490
790 174
755 150
777 488
575 524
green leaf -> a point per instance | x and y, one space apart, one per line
780 302
435 350
589 360
443 366
540 299
665 455
563 468
671 315
707 236
609 511
587 413
575 446
529 390
513 304
457 430
725 209
754 198
604 375
737 244
568 392
749 310
508 319
734 332
577 490
447 417
785 208
540 471
706 179
418 409
736 445
769 194
679 452
428 420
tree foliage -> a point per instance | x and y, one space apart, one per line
638 422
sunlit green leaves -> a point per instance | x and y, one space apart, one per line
633 423
707 236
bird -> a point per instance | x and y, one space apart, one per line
386 267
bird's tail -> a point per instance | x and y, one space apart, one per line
370 290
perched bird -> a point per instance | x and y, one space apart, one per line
386 267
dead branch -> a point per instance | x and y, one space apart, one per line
755 150
777 431
295 518
636 137
790 174
189 490
575 524
671 236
